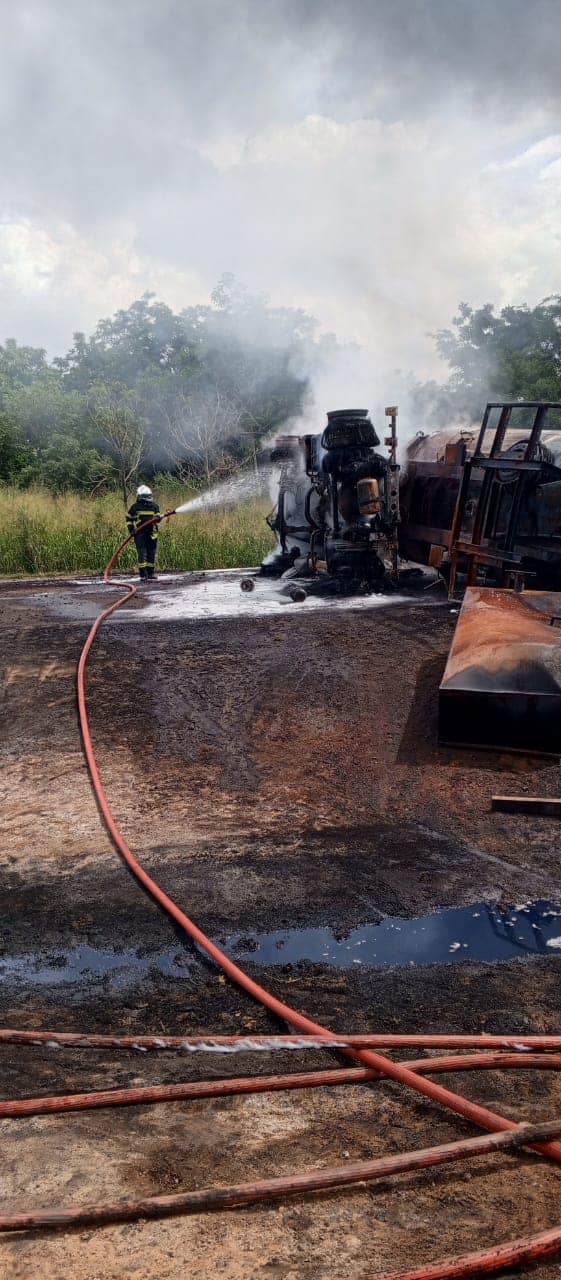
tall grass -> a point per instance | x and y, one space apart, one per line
43 534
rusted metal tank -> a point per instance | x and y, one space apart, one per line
502 683
485 506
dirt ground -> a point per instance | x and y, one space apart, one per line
275 769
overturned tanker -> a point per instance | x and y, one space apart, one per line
482 506
337 512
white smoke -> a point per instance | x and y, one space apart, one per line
352 377
373 164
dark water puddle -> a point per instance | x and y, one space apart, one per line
479 932
92 965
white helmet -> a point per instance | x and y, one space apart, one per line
143 491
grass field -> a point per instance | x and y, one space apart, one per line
45 535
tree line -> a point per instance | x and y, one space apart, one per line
195 393
513 354
192 393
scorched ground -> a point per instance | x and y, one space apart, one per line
275 769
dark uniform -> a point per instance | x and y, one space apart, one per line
147 541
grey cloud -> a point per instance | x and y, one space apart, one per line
109 113
102 101
392 54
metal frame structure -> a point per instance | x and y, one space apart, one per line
477 549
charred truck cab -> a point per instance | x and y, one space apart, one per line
337 512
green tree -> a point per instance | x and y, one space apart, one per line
14 456
145 336
515 354
113 410
532 375
64 466
195 391
20 366
47 437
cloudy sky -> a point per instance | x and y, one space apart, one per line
374 161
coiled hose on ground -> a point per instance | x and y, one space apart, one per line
377 1065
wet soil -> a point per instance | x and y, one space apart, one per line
483 930
274 773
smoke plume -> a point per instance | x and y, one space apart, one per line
370 164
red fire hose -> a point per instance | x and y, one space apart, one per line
484 1262
259 1044
403 1073
245 1193
147 1094
397 1071
267 1043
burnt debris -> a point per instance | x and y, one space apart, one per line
337 511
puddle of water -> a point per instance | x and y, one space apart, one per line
479 932
92 964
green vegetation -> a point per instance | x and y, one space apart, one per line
179 400
185 400
192 393
72 533
512 355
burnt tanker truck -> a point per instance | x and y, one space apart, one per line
337 512
477 509
480 506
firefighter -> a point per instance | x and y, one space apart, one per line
146 542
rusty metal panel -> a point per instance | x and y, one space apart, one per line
502 683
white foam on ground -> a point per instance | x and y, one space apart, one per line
118 579
220 597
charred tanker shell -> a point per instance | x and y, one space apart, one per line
338 508
485 505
